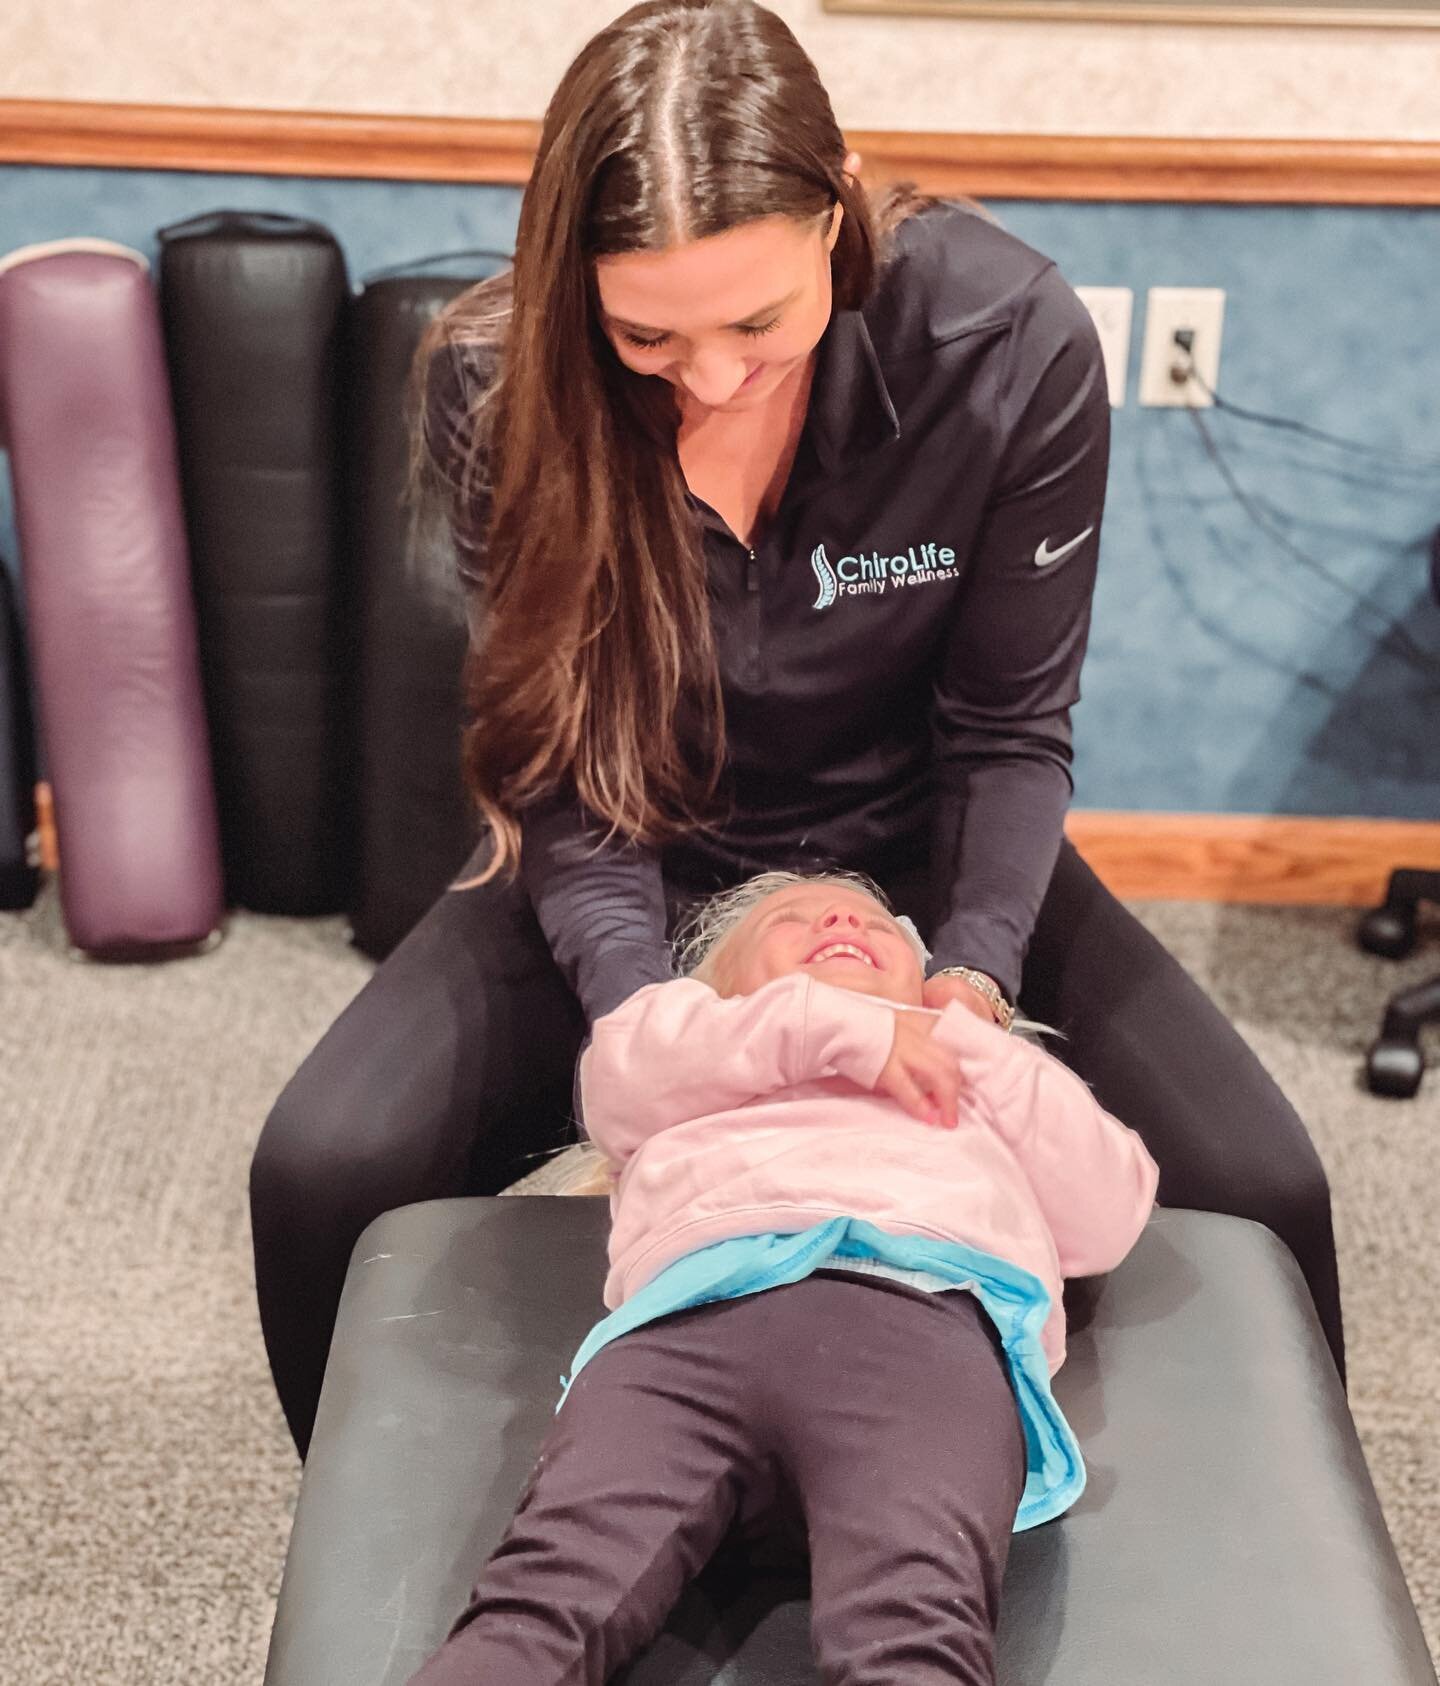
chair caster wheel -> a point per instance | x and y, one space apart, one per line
1393 1068
1388 931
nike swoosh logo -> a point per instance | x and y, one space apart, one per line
1047 558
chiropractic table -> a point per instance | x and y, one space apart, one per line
1229 1534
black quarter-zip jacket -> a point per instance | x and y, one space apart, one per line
900 649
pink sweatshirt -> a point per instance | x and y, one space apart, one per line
742 1115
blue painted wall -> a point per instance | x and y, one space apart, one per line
1226 673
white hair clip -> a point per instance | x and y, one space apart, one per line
907 924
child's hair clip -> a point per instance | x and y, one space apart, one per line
907 924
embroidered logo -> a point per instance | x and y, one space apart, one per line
870 575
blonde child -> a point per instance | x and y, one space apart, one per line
840 1226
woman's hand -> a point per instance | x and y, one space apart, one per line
921 1074
940 992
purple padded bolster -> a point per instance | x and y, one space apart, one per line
86 413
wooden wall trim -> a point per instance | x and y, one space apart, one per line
1251 857
1168 168
1183 857
465 149
275 143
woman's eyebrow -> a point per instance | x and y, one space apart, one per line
744 322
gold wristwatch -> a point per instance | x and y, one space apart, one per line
982 985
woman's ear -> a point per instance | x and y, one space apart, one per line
837 216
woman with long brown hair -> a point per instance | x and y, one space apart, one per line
779 515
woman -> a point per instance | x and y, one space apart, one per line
779 519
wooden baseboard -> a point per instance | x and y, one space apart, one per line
1189 857
1251 857
1220 169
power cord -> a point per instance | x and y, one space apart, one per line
1183 371
1390 634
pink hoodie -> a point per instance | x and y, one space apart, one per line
740 1115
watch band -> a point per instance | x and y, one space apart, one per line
984 985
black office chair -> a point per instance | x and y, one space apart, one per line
1394 1064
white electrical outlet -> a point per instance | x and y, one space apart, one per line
1111 309
1168 309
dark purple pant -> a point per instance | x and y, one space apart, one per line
879 1417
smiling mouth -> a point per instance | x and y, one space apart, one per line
842 951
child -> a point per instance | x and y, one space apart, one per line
840 1225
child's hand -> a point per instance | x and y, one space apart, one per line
922 1074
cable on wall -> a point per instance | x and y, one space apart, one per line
1390 634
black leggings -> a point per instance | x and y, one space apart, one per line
861 1424
452 1070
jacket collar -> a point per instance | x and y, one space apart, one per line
851 412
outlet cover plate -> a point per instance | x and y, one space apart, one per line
1201 309
1111 309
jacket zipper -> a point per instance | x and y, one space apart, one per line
752 592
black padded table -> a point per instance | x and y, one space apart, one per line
1229 1533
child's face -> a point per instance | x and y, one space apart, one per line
831 931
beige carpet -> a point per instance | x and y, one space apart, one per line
146 1478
